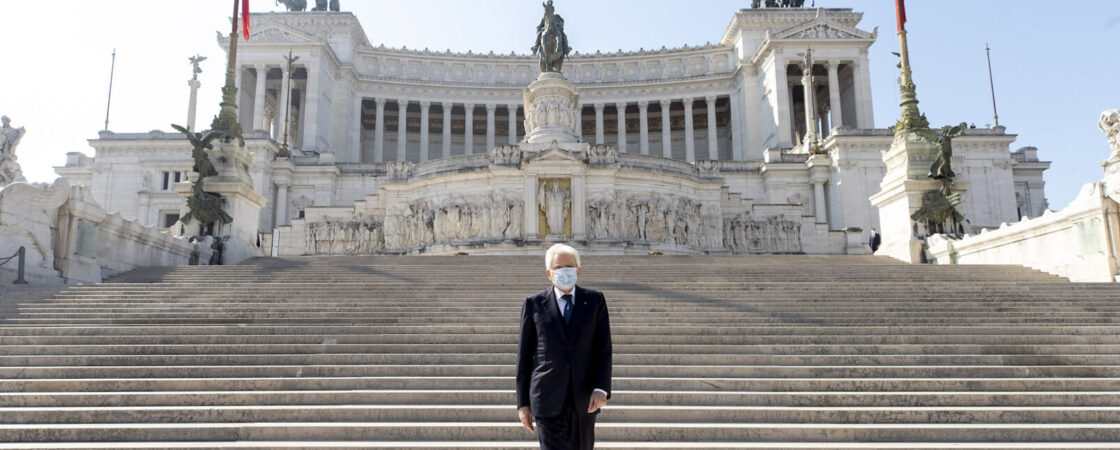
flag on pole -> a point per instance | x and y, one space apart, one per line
900 10
245 18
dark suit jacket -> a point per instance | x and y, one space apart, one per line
549 355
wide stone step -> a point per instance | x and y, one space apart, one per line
611 414
510 431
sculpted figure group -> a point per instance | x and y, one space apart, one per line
639 217
746 234
10 171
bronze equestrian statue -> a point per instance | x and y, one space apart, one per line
552 43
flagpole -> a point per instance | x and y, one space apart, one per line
991 83
911 118
109 102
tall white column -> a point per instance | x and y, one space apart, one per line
285 103
620 109
402 130
281 204
356 130
424 106
468 130
689 145
579 123
599 123
512 110
446 129
834 95
752 114
531 226
258 99
781 88
737 142
309 109
193 105
379 132
713 150
666 129
490 107
643 126
862 79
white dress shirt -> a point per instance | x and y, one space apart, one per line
561 303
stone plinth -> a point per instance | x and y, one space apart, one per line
551 110
239 200
900 195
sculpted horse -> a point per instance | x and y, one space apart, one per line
293 5
552 44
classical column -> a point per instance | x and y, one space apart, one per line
309 109
713 150
424 106
834 95
285 104
818 200
258 100
281 204
402 124
446 129
145 214
379 131
468 130
579 210
737 141
689 145
356 130
490 107
531 226
643 127
862 79
579 123
599 123
666 129
620 114
781 88
512 110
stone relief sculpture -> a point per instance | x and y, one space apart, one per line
1109 124
506 155
745 234
398 170
551 43
555 203
554 112
10 171
601 154
491 217
656 219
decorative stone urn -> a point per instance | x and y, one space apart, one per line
551 110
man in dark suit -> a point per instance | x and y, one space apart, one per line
874 241
563 357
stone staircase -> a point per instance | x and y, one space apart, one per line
709 352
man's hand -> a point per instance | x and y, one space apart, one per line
598 400
526 417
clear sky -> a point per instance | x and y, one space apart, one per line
1055 62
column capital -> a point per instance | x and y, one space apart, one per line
665 104
379 101
833 65
687 101
490 107
401 101
620 105
469 107
512 107
599 107
425 105
446 105
710 99
643 104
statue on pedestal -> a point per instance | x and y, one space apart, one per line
293 5
551 43
1109 124
942 168
10 171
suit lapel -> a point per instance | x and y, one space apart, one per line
550 304
579 311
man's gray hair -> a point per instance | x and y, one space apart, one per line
557 249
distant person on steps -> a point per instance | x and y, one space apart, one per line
874 241
563 357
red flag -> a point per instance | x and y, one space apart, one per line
900 9
245 18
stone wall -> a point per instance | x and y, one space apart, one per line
69 238
1078 242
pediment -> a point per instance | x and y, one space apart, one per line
556 154
277 33
821 29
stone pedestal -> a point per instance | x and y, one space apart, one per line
908 162
551 110
239 200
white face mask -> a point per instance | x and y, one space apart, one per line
564 278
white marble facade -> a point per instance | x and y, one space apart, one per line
394 147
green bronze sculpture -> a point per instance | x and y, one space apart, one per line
551 44
203 206
942 168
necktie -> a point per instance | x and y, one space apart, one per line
567 308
